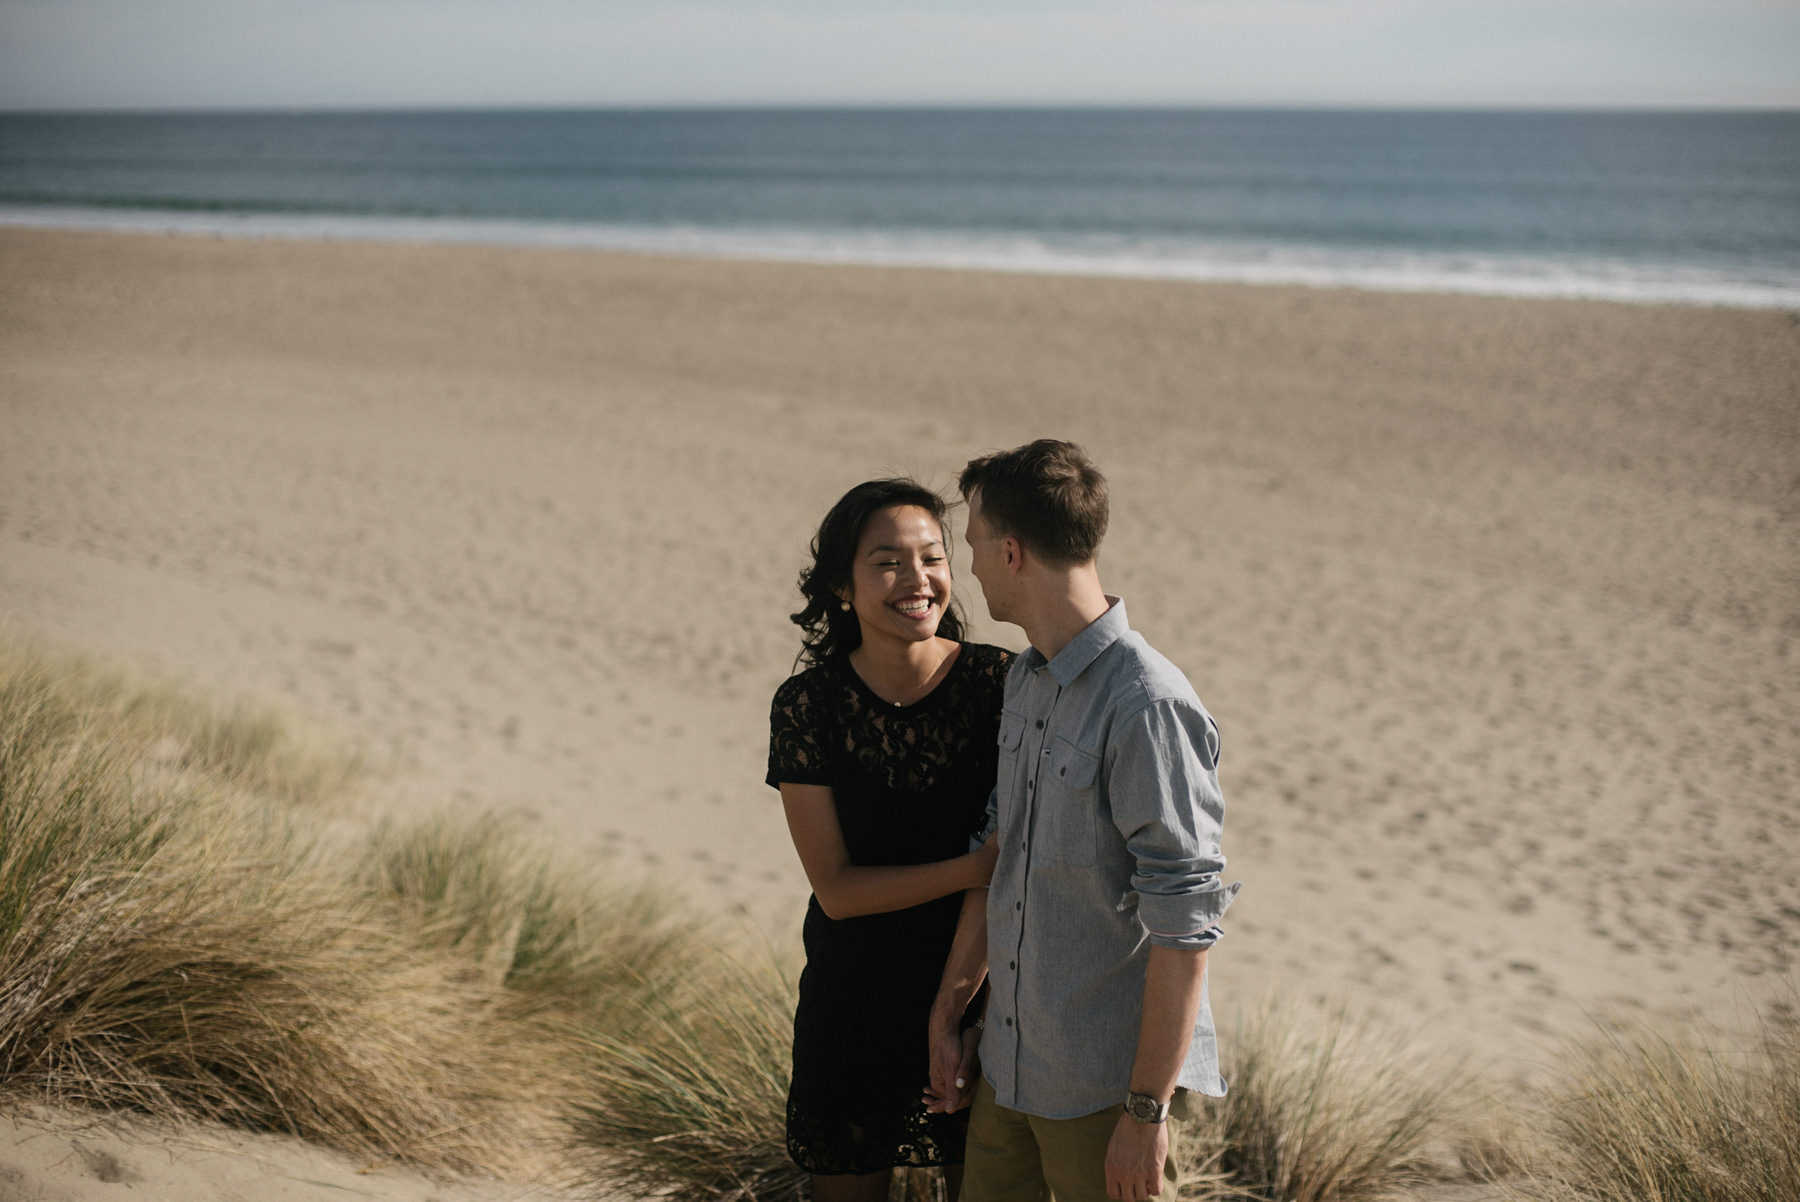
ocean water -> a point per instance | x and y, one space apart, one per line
1700 208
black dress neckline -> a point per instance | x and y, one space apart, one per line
925 702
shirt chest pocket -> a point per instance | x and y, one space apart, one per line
1068 804
1012 734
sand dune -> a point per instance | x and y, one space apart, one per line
1496 601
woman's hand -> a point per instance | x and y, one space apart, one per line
982 861
955 1067
971 1066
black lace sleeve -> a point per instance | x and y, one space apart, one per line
991 664
796 738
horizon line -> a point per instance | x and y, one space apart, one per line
893 107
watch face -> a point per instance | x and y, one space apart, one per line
1143 1107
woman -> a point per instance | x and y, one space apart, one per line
884 752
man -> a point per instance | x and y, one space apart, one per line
1106 897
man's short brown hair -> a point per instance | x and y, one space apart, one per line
1047 494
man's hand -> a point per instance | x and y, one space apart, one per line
954 1063
1134 1159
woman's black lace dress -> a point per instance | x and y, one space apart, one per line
911 785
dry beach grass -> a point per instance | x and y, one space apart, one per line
1648 1115
177 937
181 937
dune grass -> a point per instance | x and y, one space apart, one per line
1325 1110
153 726
1321 1108
537 926
180 934
692 1095
688 1096
1641 1114
192 927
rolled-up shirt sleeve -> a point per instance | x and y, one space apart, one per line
1162 785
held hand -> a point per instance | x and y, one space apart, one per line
982 861
944 1095
1134 1159
970 1068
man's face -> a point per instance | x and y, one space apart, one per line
987 559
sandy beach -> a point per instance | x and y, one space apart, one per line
1497 602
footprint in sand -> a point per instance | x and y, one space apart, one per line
106 1167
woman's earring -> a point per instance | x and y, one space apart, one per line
844 605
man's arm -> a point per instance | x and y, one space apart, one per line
1166 803
953 1054
1172 984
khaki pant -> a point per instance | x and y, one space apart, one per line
1015 1157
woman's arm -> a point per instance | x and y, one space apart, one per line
846 890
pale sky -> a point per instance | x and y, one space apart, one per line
379 53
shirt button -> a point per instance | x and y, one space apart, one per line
1009 1022
1013 964
1040 724
1018 905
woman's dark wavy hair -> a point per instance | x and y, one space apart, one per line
829 631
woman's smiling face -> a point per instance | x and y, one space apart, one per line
900 580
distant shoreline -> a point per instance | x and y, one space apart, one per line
439 110
1514 277
1689 208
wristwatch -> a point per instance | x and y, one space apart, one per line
1145 1108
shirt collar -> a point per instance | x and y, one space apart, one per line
1085 647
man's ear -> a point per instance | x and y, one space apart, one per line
1015 553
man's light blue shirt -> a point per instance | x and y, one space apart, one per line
1109 814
